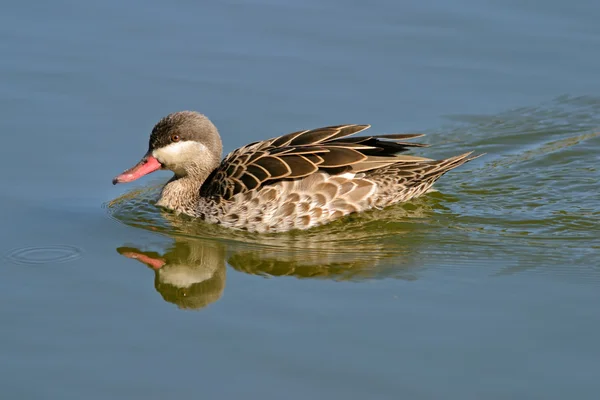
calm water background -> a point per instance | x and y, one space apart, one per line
487 289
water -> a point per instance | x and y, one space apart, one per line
485 289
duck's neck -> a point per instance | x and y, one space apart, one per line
181 193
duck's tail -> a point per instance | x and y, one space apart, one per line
405 180
440 167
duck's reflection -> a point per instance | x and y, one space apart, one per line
191 271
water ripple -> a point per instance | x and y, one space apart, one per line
49 254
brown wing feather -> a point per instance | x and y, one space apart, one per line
321 135
341 156
303 153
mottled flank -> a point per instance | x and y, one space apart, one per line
296 181
293 204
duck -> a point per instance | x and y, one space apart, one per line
296 181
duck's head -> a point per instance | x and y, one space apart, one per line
184 142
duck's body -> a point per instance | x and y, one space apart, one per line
296 181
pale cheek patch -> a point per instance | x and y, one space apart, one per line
176 155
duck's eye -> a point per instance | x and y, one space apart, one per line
175 138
